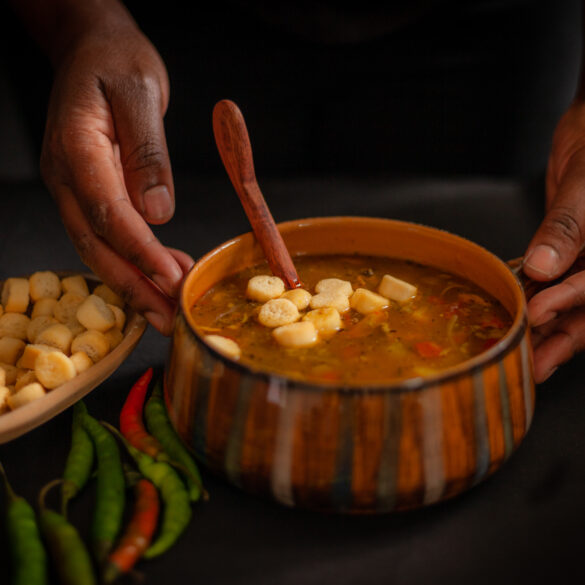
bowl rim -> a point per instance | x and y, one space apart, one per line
494 354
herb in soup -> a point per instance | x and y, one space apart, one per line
359 320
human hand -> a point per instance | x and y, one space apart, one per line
557 313
105 161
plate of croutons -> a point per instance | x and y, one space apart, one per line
61 335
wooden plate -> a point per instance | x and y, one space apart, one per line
31 415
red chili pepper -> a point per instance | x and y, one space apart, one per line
131 422
428 349
139 532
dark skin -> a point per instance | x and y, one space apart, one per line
104 156
557 314
106 163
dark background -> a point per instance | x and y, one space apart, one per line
424 87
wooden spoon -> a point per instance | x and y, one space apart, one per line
233 143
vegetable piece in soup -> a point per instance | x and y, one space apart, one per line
376 320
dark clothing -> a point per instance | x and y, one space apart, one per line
431 87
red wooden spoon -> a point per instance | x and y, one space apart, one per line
233 143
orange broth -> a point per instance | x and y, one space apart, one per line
448 321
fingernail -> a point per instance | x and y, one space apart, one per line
158 204
543 259
156 320
169 284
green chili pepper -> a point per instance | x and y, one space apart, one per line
70 556
110 491
29 558
160 426
79 462
176 505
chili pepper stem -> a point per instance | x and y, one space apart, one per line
180 467
64 503
118 434
132 476
7 487
45 489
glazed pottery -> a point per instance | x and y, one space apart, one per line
354 449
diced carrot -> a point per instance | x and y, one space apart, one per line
428 349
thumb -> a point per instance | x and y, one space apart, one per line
144 155
561 235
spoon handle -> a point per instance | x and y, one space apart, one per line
233 143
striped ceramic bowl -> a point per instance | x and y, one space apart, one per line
354 449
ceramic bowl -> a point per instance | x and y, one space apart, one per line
354 449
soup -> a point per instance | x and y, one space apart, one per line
436 321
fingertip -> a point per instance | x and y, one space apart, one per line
540 377
542 262
159 322
543 363
158 205
170 283
184 260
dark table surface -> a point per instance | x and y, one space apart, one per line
526 524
